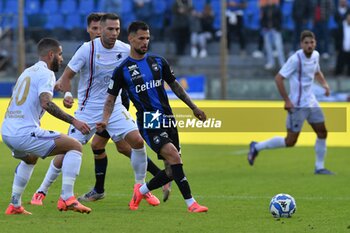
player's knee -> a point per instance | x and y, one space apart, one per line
322 134
76 145
137 143
30 159
96 145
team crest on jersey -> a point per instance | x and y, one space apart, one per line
119 56
98 56
155 67
156 139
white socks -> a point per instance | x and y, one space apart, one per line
320 149
50 177
144 189
139 164
22 175
190 201
275 142
70 170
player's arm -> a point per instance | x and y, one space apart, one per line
64 82
113 91
47 104
182 95
279 80
321 79
107 112
175 86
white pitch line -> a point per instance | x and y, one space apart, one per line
239 152
239 197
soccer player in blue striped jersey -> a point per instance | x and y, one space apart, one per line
143 76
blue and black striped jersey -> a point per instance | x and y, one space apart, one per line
144 81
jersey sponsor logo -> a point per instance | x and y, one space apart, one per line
148 85
151 120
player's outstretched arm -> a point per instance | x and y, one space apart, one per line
279 80
322 80
63 84
182 95
107 112
47 104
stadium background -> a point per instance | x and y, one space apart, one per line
246 77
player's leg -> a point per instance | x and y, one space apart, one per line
172 157
71 163
124 148
98 145
320 148
139 164
294 123
51 175
22 176
317 122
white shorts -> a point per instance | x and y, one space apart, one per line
297 116
120 124
39 143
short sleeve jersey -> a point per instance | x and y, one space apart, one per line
301 70
144 81
24 111
96 64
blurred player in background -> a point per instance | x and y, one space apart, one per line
95 61
301 69
31 97
143 76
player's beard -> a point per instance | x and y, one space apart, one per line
55 65
140 51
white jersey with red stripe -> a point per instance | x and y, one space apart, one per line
24 111
96 65
301 70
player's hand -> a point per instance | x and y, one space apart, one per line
100 126
81 126
68 101
288 105
327 91
58 86
199 114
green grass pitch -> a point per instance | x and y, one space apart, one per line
237 195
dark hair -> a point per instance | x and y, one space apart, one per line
47 44
110 16
137 25
95 16
307 33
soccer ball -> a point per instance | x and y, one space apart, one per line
282 206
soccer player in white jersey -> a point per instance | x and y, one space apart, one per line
301 69
95 60
21 131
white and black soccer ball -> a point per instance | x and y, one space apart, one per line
282 206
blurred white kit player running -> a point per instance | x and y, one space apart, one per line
301 69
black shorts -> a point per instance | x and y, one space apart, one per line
157 138
103 134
